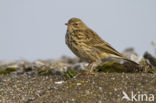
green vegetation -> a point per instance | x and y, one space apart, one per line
7 71
45 71
110 67
70 73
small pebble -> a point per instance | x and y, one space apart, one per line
78 84
59 82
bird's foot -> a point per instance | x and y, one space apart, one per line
85 73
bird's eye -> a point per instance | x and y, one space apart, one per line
75 24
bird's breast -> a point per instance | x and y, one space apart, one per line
77 44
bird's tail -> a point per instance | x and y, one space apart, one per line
130 61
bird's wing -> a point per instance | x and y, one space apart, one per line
108 49
98 43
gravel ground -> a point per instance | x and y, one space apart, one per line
99 88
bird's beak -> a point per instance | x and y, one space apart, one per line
66 24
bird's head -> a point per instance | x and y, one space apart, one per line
76 24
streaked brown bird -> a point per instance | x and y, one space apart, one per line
86 44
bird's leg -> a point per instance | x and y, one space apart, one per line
92 67
88 66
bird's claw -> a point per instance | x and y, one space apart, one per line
85 73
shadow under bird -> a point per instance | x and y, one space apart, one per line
86 44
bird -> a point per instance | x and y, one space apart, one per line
88 45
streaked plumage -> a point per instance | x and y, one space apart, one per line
86 44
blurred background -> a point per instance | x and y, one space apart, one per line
34 29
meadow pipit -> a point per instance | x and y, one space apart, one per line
86 44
